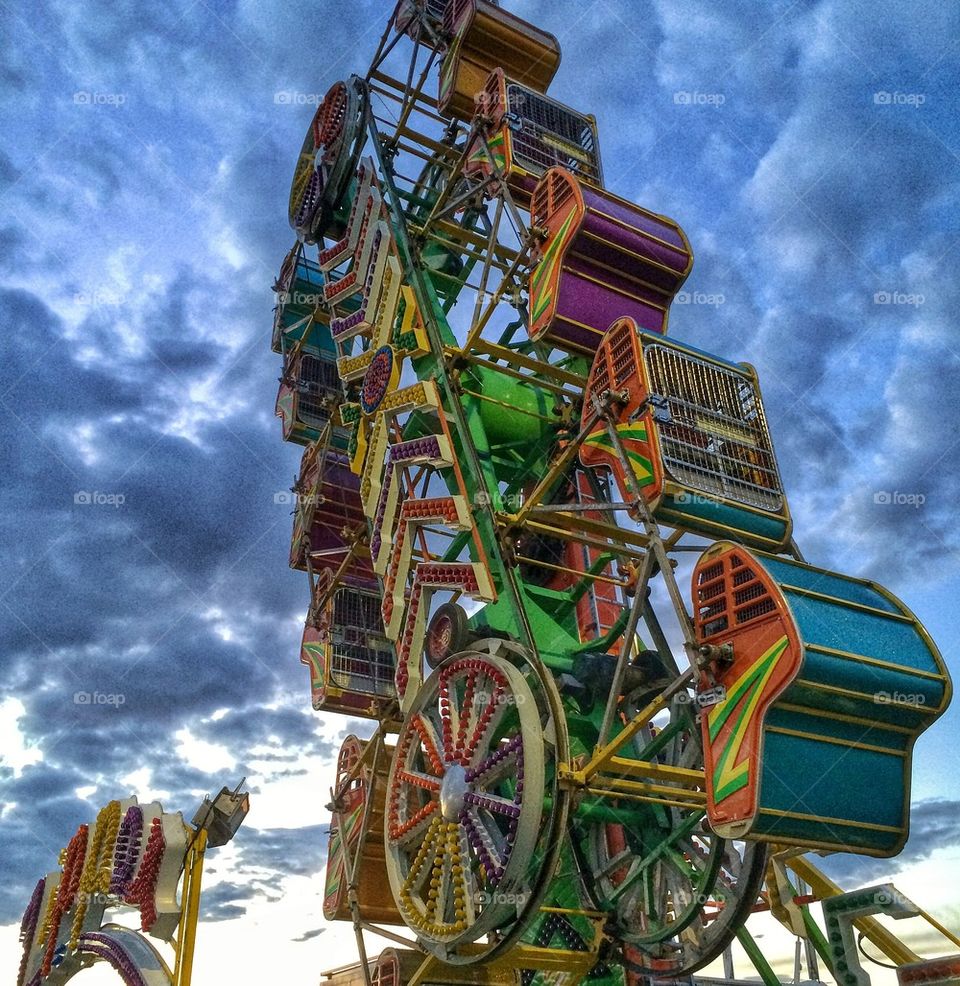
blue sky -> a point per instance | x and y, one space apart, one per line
811 151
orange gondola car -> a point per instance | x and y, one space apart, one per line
486 37
357 830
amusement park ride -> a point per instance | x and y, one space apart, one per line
510 470
132 857
506 459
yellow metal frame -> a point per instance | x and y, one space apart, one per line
190 912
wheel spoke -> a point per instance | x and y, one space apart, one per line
410 827
467 714
489 717
492 767
615 862
466 877
420 860
428 739
418 779
498 805
484 846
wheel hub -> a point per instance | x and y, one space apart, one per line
453 790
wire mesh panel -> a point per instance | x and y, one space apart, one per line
545 134
692 431
361 657
408 14
715 438
318 390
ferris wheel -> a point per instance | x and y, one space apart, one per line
507 460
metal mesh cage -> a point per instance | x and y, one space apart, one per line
547 134
715 438
406 15
318 389
361 656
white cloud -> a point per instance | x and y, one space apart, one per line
16 753
202 755
139 783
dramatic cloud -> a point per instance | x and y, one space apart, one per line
933 825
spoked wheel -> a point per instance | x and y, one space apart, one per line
447 634
474 818
328 159
676 892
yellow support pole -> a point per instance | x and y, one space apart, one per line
603 757
187 932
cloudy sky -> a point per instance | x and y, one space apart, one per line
810 149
